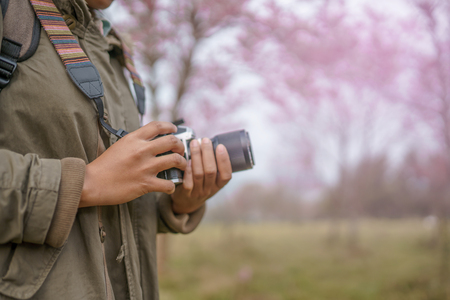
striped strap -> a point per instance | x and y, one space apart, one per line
137 81
78 65
81 70
83 73
129 64
59 34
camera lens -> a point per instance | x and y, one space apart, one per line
239 149
237 143
173 174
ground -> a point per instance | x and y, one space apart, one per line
395 260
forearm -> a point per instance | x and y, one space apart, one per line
35 198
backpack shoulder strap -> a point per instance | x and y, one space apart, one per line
20 36
80 69
21 25
4 5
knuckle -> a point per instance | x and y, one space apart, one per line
195 151
226 177
224 160
211 173
137 152
169 187
177 159
198 176
188 186
158 125
173 139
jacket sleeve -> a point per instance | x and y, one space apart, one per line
38 198
176 223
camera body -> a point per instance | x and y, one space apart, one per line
186 135
237 143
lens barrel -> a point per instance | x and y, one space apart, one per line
173 174
239 149
238 146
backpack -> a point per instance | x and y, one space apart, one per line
20 36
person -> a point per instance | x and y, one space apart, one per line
79 208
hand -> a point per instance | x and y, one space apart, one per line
201 179
128 169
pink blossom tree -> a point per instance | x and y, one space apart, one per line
429 100
170 40
340 88
329 77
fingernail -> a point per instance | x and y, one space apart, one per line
194 143
220 148
206 141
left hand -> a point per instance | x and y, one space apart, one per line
202 177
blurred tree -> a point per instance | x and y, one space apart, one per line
258 203
429 100
334 83
390 192
168 37
329 76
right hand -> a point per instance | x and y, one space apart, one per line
128 169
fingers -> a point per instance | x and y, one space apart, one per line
169 161
153 129
223 165
197 186
188 180
162 185
201 177
209 165
197 164
165 144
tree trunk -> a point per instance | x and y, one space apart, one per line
334 230
444 255
353 231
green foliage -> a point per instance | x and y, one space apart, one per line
294 261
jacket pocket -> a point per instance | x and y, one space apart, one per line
29 266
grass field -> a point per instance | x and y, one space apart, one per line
294 261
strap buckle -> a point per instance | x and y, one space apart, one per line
7 68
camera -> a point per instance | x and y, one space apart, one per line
237 143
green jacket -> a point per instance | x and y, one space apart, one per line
50 249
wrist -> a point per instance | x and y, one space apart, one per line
87 193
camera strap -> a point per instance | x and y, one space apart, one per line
137 81
80 69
